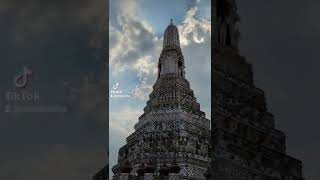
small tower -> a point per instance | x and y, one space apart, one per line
171 60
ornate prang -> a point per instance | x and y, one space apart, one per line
171 138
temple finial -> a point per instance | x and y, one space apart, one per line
171 21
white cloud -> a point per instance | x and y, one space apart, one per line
194 30
144 65
133 40
123 121
146 72
134 47
142 91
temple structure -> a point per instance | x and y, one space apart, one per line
246 144
171 138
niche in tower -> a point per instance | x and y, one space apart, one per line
159 66
180 68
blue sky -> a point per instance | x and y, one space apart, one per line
136 32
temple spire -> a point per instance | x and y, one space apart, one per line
171 60
171 36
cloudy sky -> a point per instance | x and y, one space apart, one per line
136 30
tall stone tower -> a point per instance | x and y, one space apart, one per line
171 138
246 144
